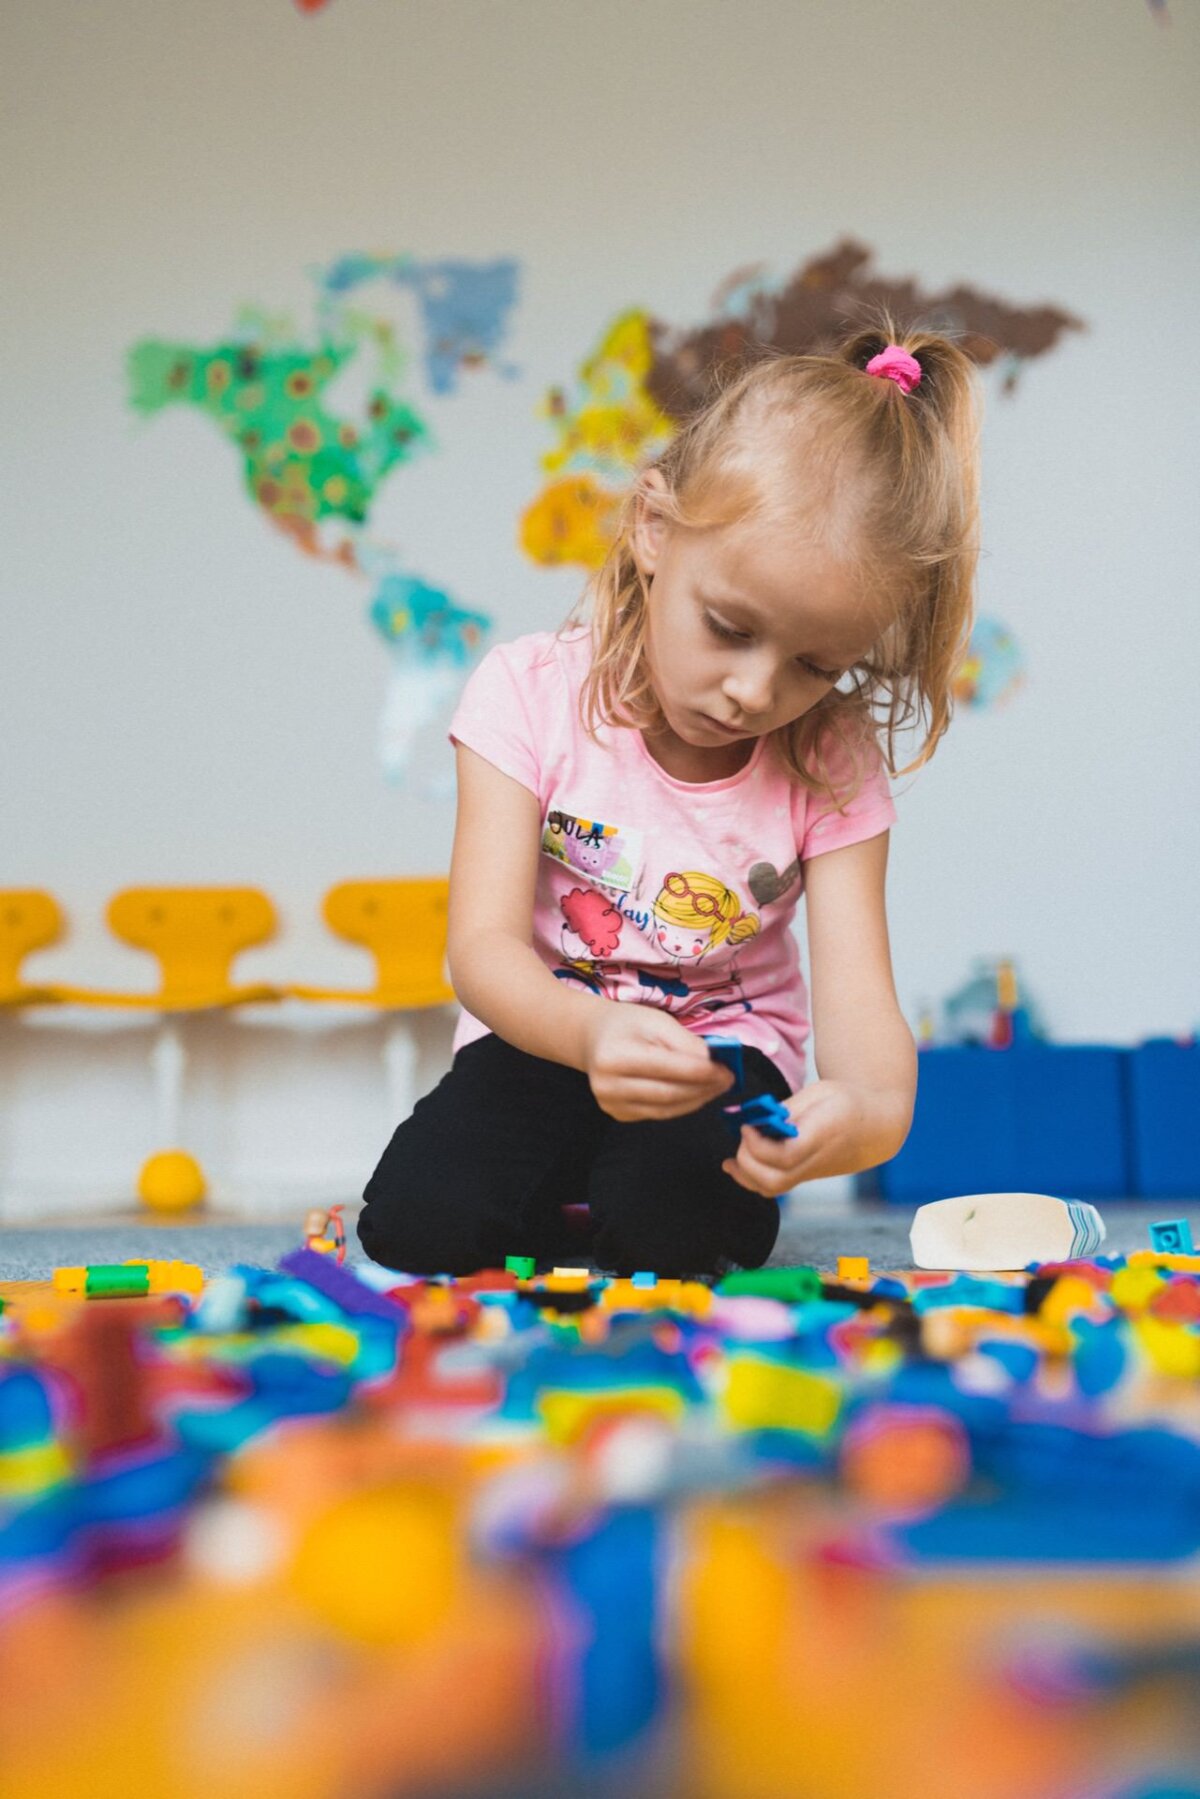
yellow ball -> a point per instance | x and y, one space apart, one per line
381 1567
171 1181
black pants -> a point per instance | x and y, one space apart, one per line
483 1167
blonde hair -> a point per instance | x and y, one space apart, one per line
888 480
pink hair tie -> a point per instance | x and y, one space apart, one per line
895 364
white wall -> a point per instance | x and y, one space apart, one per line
184 697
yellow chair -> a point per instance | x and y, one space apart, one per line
193 933
403 924
29 919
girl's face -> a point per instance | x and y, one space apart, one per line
747 628
684 943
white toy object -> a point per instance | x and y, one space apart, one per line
988 1232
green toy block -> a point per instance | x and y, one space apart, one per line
117 1280
794 1286
524 1267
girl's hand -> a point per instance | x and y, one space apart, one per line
842 1128
642 1064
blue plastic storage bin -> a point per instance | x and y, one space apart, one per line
1164 1119
1042 1118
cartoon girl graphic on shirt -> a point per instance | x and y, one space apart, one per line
591 930
693 914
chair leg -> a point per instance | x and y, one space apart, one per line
170 1180
168 1060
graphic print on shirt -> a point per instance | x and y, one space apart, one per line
600 852
590 932
768 885
694 914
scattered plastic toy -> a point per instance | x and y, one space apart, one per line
325 1232
128 1280
592 1437
764 1112
1174 1236
854 1268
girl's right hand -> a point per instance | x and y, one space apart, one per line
641 1063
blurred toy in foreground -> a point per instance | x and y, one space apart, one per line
573 1535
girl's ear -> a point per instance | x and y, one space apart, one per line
650 528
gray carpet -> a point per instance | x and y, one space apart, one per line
815 1232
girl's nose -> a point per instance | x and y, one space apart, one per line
750 690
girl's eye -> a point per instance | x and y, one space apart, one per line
726 631
730 635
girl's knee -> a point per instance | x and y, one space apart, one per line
413 1238
396 1244
404 1224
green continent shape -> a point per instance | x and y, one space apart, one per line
301 462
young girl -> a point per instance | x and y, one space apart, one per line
643 799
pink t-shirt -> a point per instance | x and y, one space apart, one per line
650 889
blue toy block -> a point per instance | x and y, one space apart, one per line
1037 1117
728 1052
26 1415
643 1278
967 1290
1100 1354
1164 1101
341 1285
616 1687
1173 1236
767 1114
1019 1360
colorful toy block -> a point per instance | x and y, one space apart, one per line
794 1286
690 1297
728 1052
854 1268
128 1280
1174 1236
764 1112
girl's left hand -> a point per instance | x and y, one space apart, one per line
839 1126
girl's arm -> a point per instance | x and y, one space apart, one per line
494 968
640 1062
860 1109
860 1036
